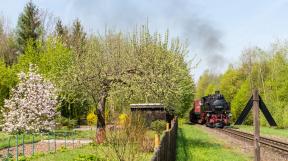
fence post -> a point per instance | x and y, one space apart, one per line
73 137
55 141
65 140
158 154
169 154
256 125
17 147
48 142
8 150
23 145
33 148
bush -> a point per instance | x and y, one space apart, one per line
88 157
70 123
123 119
147 144
127 142
158 126
91 119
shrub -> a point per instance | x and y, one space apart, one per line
88 157
91 119
123 119
147 144
62 149
158 126
70 123
126 142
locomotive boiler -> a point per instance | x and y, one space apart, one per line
212 110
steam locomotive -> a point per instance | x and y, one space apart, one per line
212 110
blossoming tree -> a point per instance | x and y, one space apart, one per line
32 104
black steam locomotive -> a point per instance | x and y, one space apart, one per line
212 110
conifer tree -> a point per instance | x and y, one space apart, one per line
29 26
78 38
61 32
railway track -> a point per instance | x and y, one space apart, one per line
276 145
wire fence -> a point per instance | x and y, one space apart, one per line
29 144
167 149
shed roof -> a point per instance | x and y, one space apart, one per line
147 106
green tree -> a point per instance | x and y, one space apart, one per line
29 26
7 46
240 100
231 82
8 79
78 38
208 83
140 68
61 31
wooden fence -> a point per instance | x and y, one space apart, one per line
167 148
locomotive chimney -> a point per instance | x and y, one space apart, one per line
217 92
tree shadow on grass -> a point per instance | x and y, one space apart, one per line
188 144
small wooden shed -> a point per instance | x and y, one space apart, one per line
152 111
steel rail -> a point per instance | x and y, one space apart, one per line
263 140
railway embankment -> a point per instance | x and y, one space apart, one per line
244 143
272 133
195 143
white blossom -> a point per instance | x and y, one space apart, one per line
32 105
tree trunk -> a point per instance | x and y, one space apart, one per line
100 134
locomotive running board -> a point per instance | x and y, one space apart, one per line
263 108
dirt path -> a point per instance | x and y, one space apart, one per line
245 147
43 146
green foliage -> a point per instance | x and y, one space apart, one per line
265 70
88 157
230 83
158 126
29 26
7 46
239 102
70 123
207 84
112 70
61 32
78 38
8 79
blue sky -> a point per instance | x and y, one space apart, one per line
217 31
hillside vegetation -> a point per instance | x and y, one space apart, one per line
257 68
95 73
